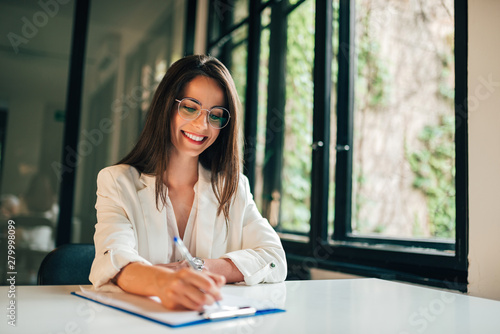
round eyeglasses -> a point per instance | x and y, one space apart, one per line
189 109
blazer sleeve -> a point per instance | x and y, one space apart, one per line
261 258
115 238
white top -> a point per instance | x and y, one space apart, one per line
131 229
189 232
326 306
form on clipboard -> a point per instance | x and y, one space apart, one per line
151 309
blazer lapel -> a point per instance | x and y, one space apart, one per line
155 221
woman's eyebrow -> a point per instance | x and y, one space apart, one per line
194 100
198 102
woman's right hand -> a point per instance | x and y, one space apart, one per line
178 290
188 289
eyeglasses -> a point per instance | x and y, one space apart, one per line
189 109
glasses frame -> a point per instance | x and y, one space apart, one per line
209 111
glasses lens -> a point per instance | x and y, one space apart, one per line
189 109
218 118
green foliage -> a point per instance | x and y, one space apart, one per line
359 200
239 70
434 169
371 82
296 192
446 80
372 89
433 165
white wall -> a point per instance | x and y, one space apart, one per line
200 45
484 148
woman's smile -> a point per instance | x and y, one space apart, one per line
195 139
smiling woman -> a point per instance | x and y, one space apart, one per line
182 179
196 130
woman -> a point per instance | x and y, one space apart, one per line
182 179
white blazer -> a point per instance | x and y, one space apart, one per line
131 229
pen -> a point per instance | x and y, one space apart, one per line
185 253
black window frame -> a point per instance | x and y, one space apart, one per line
436 263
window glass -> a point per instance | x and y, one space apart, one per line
296 174
240 10
261 118
224 14
34 62
239 73
266 16
403 151
239 69
223 49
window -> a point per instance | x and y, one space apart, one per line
400 146
355 143
34 55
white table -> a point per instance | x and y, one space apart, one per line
329 306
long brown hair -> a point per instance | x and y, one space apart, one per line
152 151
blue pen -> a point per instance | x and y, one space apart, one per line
185 253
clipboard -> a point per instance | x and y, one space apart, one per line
151 309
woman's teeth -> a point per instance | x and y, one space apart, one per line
193 137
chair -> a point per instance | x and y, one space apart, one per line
67 265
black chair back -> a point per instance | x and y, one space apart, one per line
67 265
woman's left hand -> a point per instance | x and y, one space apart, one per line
224 267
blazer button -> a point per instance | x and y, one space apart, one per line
272 265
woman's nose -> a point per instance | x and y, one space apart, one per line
202 120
